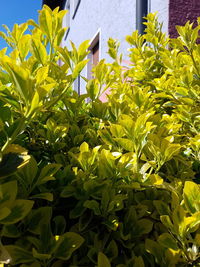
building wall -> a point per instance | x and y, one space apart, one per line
162 7
111 18
180 11
117 18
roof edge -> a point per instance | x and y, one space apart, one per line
54 3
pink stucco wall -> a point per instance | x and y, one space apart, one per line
180 11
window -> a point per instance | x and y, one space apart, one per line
93 56
76 5
67 18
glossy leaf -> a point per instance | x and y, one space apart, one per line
103 260
192 196
19 255
167 241
67 244
19 209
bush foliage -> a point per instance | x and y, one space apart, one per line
86 183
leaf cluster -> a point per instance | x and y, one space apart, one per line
87 183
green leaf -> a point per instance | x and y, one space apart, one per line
178 216
40 256
42 74
68 191
138 261
113 48
39 51
93 205
46 196
143 226
117 130
24 45
19 209
8 192
60 225
66 245
170 150
65 55
103 261
34 264
154 179
45 21
4 212
45 179
18 31
78 210
10 230
191 194
46 238
191 223
14 157
116 203
78 68
127 144
4 255
93 89
5 113
35 104
112 250
83 50
165 219
47 173
154 248
105 201
29 172
19 255
84 220
59 37
37 218
161 207
20 77
84 147
168 241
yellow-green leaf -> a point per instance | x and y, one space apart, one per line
78 68
42 74
103 261
138 262
19 209
168 241
39 51
66 245
46 196
191 194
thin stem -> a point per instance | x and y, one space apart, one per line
194 62
11 139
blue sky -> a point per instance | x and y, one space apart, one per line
17 11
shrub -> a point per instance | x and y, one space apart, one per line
86 183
